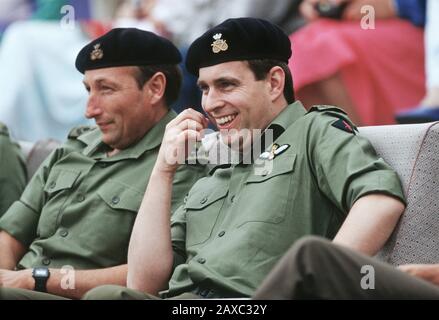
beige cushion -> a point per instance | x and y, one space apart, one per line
413 151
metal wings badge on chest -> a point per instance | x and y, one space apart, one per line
274 152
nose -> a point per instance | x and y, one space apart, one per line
211 101
93 110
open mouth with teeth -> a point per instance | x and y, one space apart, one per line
226 121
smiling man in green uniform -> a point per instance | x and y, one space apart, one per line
79 208
12 170
235 224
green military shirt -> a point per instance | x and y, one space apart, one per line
237 223
80 206
12 170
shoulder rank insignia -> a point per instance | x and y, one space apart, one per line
219 44
274 152
343 125
97 52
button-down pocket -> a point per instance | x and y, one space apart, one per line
202 209
265 196
111 221
60 180
119 196
59 186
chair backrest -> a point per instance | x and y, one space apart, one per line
35 153
413 151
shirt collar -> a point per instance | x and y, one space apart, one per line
151 140
288 116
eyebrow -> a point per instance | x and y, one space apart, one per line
99 81
219 80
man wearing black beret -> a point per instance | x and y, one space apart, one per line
316 176
70 230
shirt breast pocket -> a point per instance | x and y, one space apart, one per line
112 219
202 210
60 180
265 196
58 187
119 196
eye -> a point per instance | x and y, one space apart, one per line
107 89
204 89
226 85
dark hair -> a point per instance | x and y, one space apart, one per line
260 69
173 79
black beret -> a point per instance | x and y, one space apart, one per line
238 39
127 47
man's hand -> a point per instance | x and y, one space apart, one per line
180 136
17 279
428 272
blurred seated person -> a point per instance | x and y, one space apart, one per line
12 170
360 61
42 93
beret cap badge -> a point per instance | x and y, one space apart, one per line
97 52
219 44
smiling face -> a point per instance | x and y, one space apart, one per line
121 110
234 100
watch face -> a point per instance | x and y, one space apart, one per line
41 272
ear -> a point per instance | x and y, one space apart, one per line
276 82
156 87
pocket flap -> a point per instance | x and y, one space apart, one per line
60 179
120 196
201 200
282 166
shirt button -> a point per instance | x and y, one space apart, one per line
46 261
80 197
52 185
115 200
201 260
63 233
203 201
221 233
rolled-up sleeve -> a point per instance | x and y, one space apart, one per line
347 167
21 219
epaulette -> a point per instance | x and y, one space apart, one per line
4 130
343 122
77 131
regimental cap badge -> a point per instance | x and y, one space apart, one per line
219 44
97 52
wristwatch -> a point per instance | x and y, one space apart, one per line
41 275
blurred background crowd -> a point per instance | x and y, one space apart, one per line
378 64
